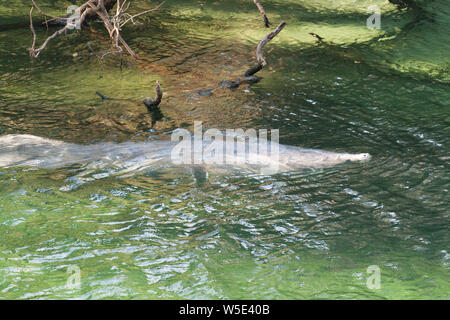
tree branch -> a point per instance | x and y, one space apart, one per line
91 8
154 103
265 40
259 54
263 13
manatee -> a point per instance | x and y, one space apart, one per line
22 150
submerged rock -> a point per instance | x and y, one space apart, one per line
205 92
230 84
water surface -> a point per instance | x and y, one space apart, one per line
166 233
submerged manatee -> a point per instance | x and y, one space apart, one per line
18 150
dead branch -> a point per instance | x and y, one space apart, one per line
32 29
101 96
259 54
131 18
33 51
263 13
150 103
315 35
154 103
253 70
43 13
265 40
90 9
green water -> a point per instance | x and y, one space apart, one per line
305 235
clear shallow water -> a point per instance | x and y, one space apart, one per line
163 233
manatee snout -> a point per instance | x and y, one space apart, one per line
356 157
362 157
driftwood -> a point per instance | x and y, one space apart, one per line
90 10
249 74
154 103
102 96
263 13
259 53
265 40
253 70
151 104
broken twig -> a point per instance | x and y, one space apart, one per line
315 35
263 13
154 103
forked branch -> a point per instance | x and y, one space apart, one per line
90 9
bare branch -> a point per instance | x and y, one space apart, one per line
154 103
265 40
35 52
263 13
259 54
315 35
31 50
43 13
92 8
131 18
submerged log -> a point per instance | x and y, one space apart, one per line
154 103
253 70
